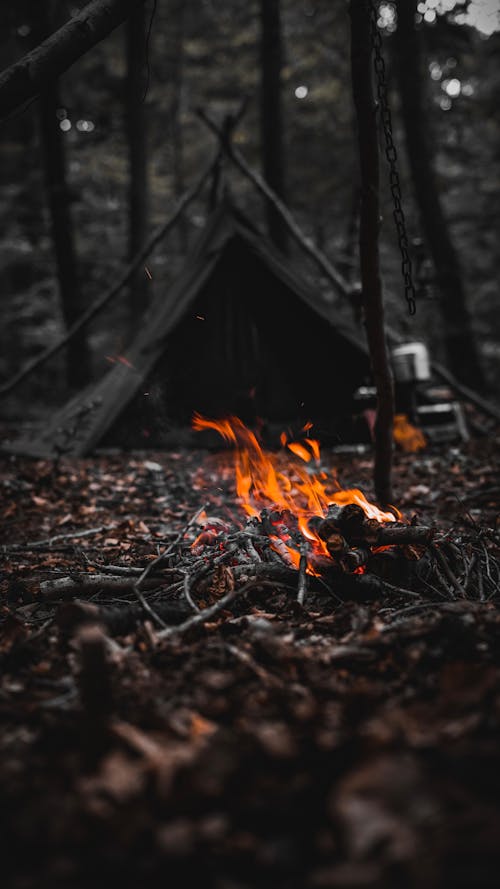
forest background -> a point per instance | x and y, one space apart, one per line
148 78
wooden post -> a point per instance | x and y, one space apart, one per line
362 85
271 114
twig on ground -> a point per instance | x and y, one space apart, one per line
57 538
187 592
168 552
148 609
207 613
450 576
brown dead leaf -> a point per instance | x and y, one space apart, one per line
222 581
201 727
65 519
39 501
143 528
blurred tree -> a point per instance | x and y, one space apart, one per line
42 16
271 113
137 156
172 88
458 335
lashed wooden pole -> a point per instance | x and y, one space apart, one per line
362 86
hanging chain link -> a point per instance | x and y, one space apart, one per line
392 158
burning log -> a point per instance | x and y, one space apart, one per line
336 544
351 522
356 558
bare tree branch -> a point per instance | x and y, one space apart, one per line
27 77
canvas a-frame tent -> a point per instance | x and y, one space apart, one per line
237 331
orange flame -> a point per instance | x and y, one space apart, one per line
260 482
408 437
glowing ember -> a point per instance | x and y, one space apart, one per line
298 491
114 359
408 437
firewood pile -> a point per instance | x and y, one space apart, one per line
201 574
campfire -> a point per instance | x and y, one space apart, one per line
300 517
287 525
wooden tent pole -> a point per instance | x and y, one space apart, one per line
256 179
362 86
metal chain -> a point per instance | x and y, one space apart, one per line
392 158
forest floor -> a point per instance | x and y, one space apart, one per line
337 744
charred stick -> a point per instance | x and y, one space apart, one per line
251 551
392 534
281 548
302 582
336 545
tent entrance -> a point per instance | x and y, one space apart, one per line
251 347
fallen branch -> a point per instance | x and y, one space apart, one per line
120 619
69 587
48 542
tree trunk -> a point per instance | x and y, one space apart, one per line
54 168
459 340
271 115
27 77
361 69
136 140
173 90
